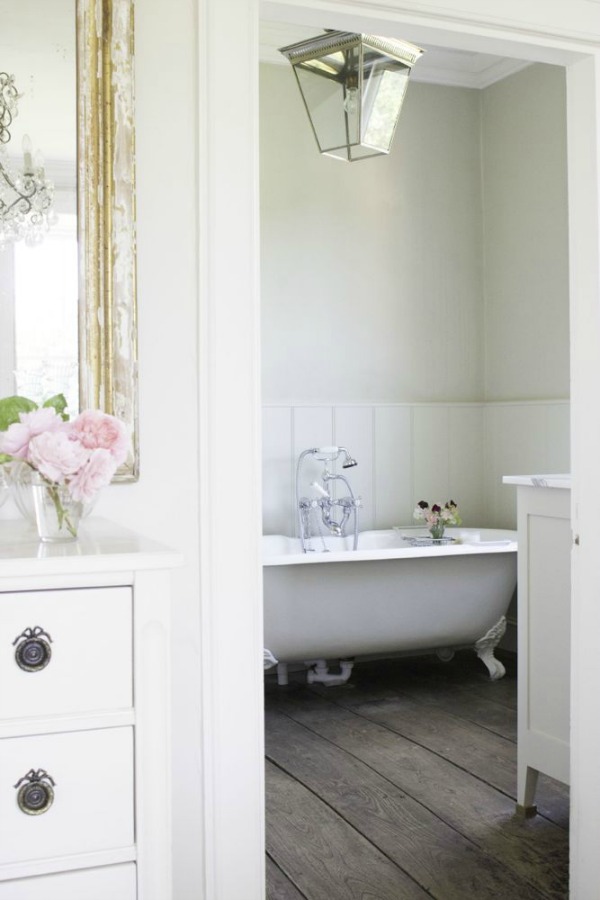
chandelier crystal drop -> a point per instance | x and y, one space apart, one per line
26 196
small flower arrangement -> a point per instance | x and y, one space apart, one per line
437 517
80 456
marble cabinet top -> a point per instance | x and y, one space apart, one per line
546 481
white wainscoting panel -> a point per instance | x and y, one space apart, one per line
448 457
409 452
522 438
278 469
466 462
312 426
431 469
354 429
513 434
393 466
558 437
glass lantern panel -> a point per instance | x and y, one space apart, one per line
384 87
330 87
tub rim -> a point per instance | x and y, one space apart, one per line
480 547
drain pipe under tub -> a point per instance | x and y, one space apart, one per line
318 672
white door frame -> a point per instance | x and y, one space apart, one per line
229 415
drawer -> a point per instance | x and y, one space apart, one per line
86 643
114 882
92 807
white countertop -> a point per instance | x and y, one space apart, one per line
546 481
101 546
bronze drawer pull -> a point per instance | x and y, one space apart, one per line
36 792
33 651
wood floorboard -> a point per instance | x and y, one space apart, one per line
434 854
323 855
457 698
535 849
279 887
409 789
494 761
464 672
475 749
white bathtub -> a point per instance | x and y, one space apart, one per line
388 596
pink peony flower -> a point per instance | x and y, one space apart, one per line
56 455
99 430
95 474
16 439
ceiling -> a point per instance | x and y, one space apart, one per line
458 68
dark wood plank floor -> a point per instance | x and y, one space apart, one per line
401 784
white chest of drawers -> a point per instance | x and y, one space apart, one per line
84 716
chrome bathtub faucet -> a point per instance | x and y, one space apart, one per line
331 512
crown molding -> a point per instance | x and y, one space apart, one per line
519 18
475 80
437 66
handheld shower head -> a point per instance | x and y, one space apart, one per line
349 460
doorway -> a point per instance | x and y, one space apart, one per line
385 331
230 403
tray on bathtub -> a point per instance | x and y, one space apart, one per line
426 541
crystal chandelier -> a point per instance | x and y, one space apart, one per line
26 195
353 87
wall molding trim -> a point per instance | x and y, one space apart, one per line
321 404
519 19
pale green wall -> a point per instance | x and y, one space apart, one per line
437 273
525 236
372 272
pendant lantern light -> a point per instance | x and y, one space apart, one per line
353 87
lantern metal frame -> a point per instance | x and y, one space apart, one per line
328 55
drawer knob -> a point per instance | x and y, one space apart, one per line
36 792
33 650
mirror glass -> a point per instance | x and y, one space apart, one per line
67 298
39 282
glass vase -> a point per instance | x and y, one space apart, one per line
4 490
21 478
57 515
437 531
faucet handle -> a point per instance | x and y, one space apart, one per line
350 502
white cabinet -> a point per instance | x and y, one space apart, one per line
85 640
106 883
84 716
92 806
544 591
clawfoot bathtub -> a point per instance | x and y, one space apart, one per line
395 593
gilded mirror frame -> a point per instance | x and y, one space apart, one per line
108 368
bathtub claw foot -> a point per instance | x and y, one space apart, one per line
268 659
485 646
